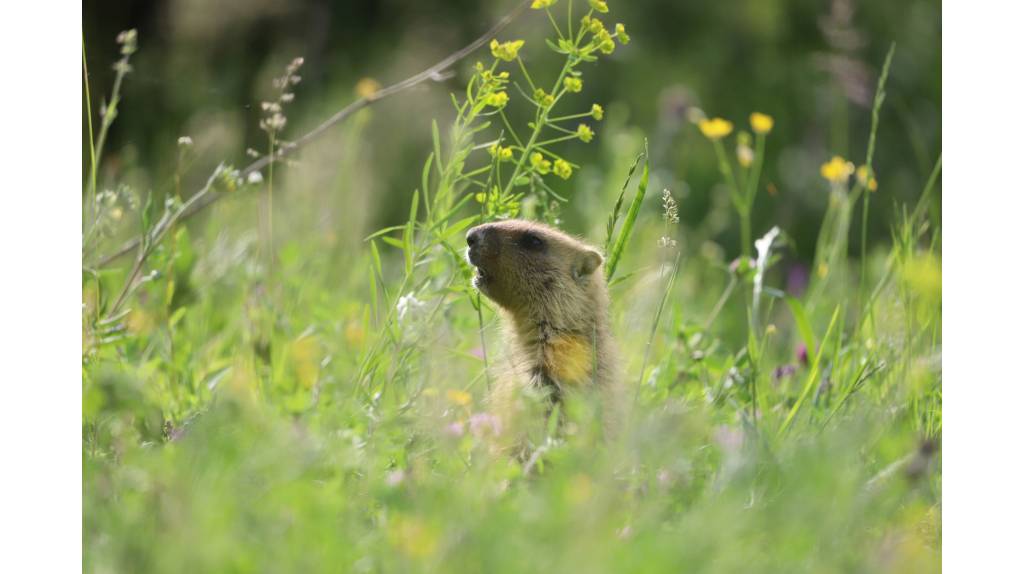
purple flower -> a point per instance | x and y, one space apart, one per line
801 354
782 372
796 279
455 429
483 423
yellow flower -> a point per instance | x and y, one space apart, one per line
543 98
585 133
461 398
573 84
507 51
620 31
607 46
761 123
866 180
489 78
540 164
541 4
837 170
497 99
593 24
597 111
599 5
366 88
502 153
715 128
562 169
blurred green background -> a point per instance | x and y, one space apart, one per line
203 67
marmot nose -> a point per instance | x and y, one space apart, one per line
474 237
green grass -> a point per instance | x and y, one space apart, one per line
323 412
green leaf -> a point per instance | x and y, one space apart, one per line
812 376
631 215
425 183
560 48
436 136
398 244
384 231
459 226
410 232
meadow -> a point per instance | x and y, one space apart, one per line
285 365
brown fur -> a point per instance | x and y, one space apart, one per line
551 289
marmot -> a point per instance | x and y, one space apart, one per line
551 289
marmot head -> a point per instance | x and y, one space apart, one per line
536 271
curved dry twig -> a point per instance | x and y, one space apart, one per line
206 197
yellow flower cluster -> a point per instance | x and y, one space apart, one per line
497 99
599 5
715 128
488 77
507 51
502 153
837 170
543 98
540 164
620 33
597 111
573 84
585 133
866 179
542 4
602 37
562 169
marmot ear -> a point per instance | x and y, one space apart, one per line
587 263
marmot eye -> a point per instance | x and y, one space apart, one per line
531 242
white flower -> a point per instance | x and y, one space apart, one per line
408 304
185 141
254 178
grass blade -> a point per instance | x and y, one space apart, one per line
614 217
410 232
630 221
812 376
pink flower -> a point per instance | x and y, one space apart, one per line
455 429
395 477
483 423
801 354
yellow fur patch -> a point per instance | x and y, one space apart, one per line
570 359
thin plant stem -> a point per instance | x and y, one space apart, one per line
875 108
739 202
657 320
483 340
88 115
